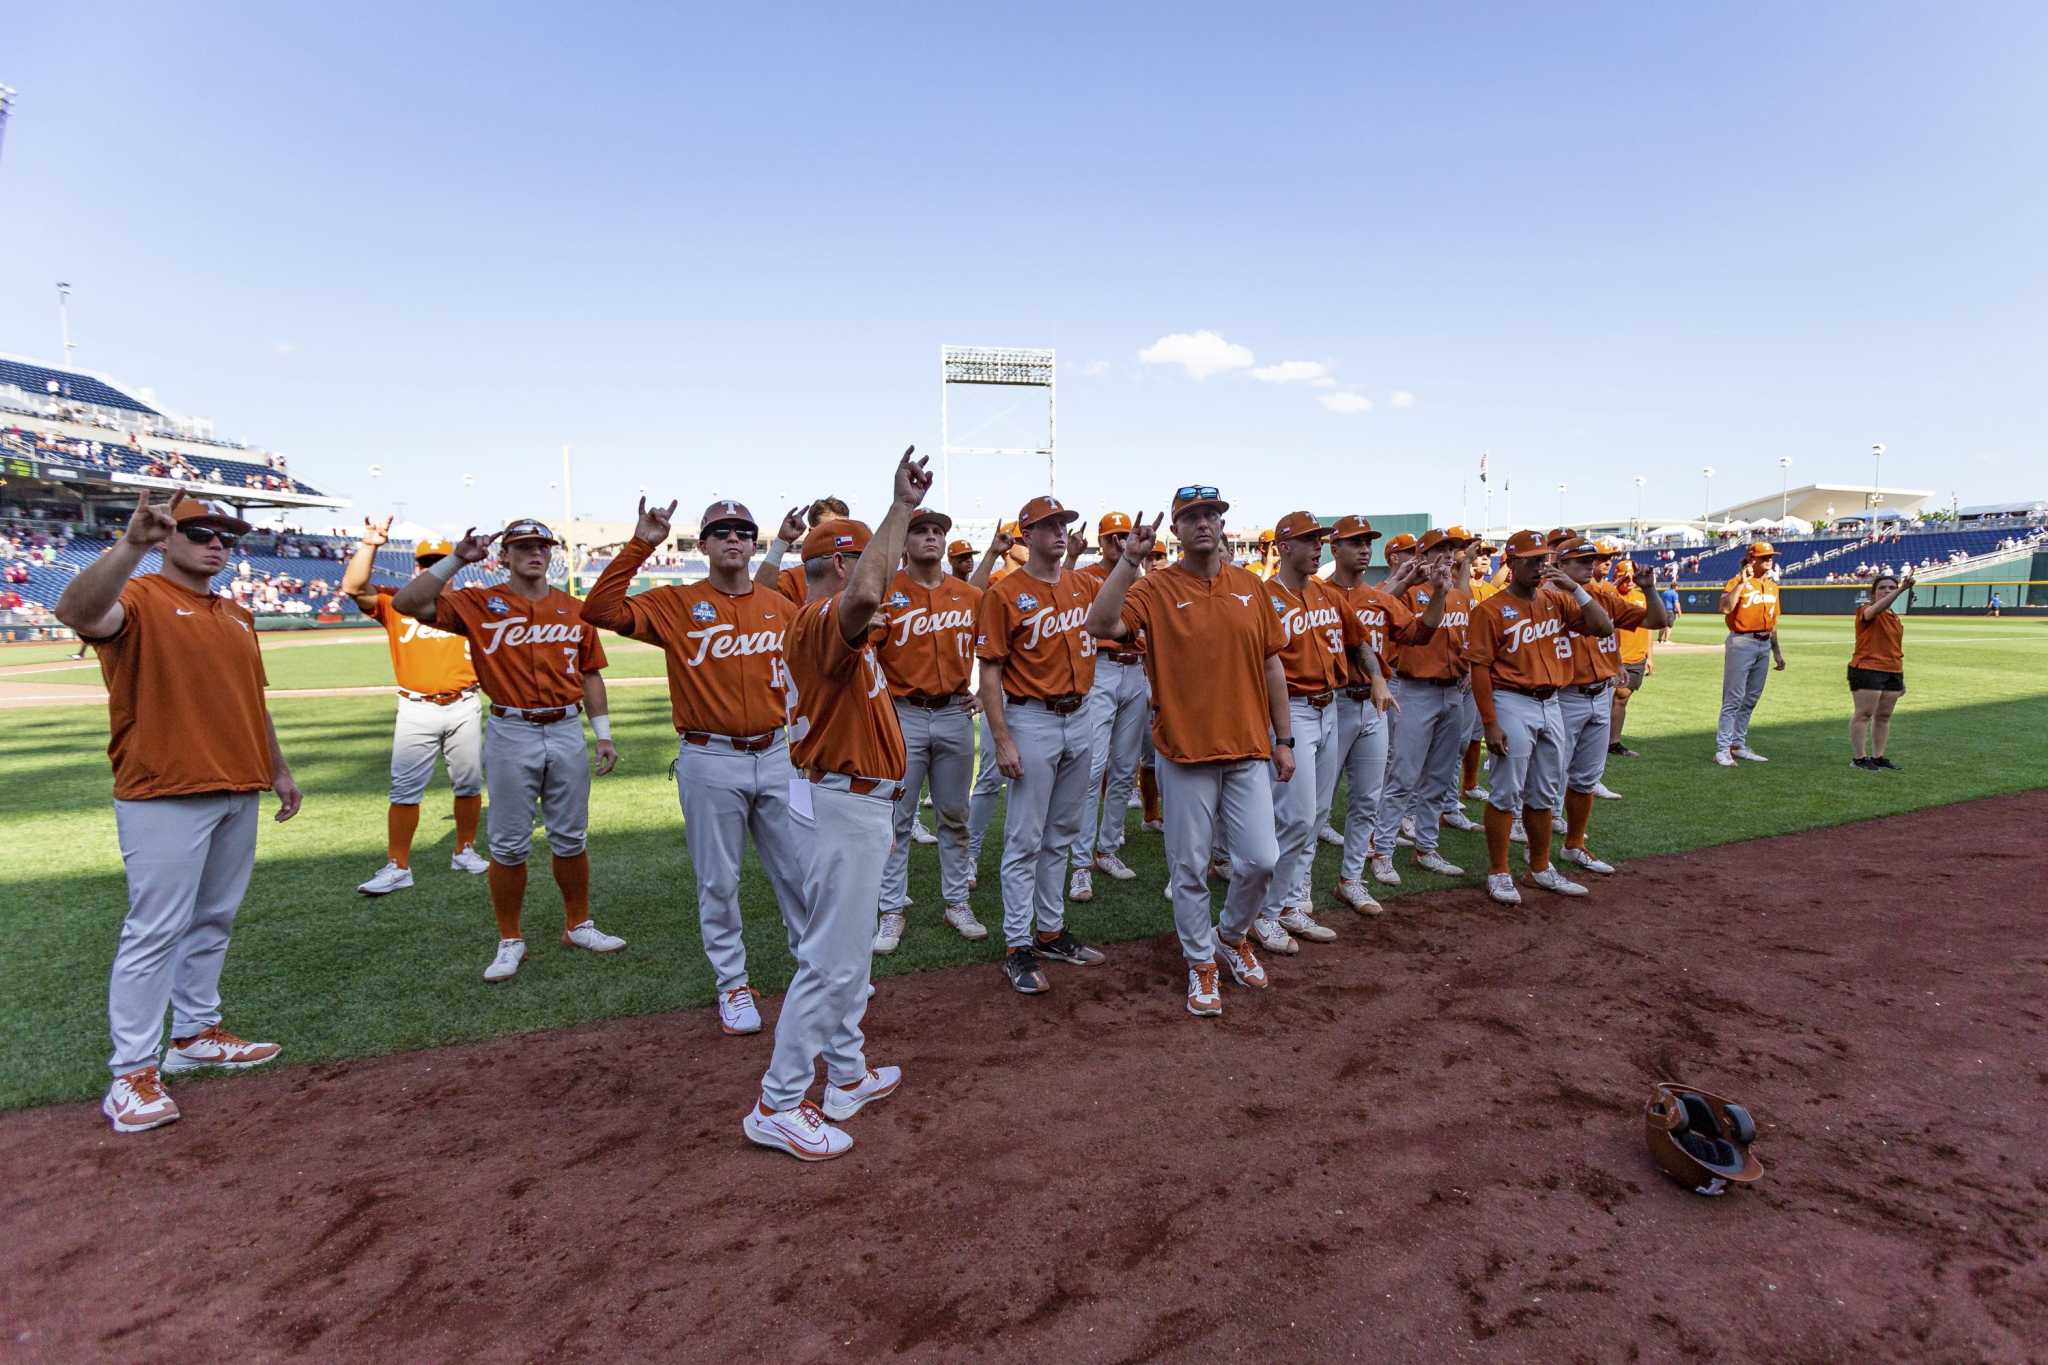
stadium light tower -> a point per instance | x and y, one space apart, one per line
1784 485
64 318
1707 499
1560 504
1640 481
1876 463
1006 366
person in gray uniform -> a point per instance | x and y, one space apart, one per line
1120 714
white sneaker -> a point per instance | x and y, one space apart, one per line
802 1132
1082 887
1329 835
1476 794
1358 898
588 936
843 1102
1744 752
1134 802
1113 867
737 1012
1204 998
1457 819
1154 827
1579 857
889 932
1519 833
1302 924
1244 964
469 860
1272 937
138 1102
961 917
1724 758
511 952
1501 886
1433 861
1383 870
1404 837
1605 793
218 1050
920 835
1550 879
391 877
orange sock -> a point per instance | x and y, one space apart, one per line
573 876
1578 813
1500 827
508 893
467 809
1471 775
1538 824
1148 790
399 824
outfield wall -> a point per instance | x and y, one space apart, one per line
2018 597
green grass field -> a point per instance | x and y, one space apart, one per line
332 974
293 663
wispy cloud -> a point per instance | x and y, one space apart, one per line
1326 382
1201 354
1345 402
1094 369
1293 372
284 347
1400 398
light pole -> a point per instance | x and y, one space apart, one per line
1707 499
1876 463
1560 504
64 318
1784 486
1640 481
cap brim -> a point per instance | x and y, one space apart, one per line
1534 552
1200 503
928 517
1066 518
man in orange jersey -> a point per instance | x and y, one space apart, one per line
927 651
1005 552
723 641
1635 654
191 743
1462 546
1429 687
1519 646
796 523
1585 706
1749 604
960 560
848 751
1222 728
1037 665
539 662
438 715
1120 711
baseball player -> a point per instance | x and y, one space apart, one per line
1584 705
1480 586
1749 604
192 743
998 561
1635 654
1429 689
848 752
960 560
1037 665
1520 649
438 716
796 523
539 662
723 642
927 652
1223 731
1120 711
1463 549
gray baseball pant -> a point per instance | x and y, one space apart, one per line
1365 768
725 795
1042 818
988 786
938 745
1425 762
845 842
1588 720
1120 707
188 860
1469 728
1531 775
424 732
1199 802
1745 668
1299 803
526 763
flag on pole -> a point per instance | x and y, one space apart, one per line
1482 466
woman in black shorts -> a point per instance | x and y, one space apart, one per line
1877 677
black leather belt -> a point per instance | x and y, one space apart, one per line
1592 689
746 744
1358 693
1319 700
1433 682
1539 693
1123 656
533 717
1755 634
927 702
1065 704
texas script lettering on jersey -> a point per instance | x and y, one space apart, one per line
416 630
1525 631
917 622
723 641
1047 622
1299 621
513 631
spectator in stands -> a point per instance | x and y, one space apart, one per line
1877 676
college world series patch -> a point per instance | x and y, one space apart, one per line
703 613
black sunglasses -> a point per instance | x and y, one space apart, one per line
737 530
206 535
1196 490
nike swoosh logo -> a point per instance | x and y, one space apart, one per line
1183 604
182 612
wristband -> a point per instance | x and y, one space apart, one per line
777 548
1581 596
601 726
446 567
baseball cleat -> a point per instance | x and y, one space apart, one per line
1329 835
1272 937
1550 879
468 860
1383 870
1605 793
1302 924
1204 999
920 835
1457 819
511 952
1152 826
1082 886
216 1049
1724 758
1864 764
1134 802
1113 867
1026 976
1358 898
961 917
1519 834
737 1012
888 932
137 1102
1404 837
1429 860
1880 762
1743 751
1501 886
1620 750
1244 964
1579 857
1068 949
390 877
842 1102
1473 794
802 1132
590 938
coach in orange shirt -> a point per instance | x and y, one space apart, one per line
796 523
1221 726
192 743
438 715
1749 604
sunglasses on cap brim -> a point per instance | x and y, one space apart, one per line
206 535
1196 490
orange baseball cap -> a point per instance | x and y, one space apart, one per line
1458 535
189 511
1607 548
932 516
1299 526
958 548
1559 535
432 549
1266 536
1430 539
727 512
1527 545
526 528
836 536
1761 550
1352 528
1577 547
1046 508
1401 544
1012 529
1113 524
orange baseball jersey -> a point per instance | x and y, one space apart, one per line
185 685
1211 637
840 717
1482 588
424 659
1315 627
1442 655
928 646
792 584
528 654
1880 642
1100 571
725 673
1034 630
1523 642
1635 640
1598 658
1756 603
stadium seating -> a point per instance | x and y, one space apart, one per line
77 387
1813 559
118 455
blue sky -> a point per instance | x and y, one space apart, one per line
718 253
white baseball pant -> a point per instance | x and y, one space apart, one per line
726 795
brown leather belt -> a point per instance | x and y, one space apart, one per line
438 698
1319 700
547 717
1358 693
1123 656
1065 704
859 786
928 702
1591 689
1433 682
746 744
1539 693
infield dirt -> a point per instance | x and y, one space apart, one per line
1424 1143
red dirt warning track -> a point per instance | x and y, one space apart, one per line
1424 1143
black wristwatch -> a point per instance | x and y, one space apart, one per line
1287 740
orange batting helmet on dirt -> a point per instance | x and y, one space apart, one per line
1699 1139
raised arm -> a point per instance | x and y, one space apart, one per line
862 595
1871 610
1106 613
355 578
416 599
790 533
91 602
606 606
998 546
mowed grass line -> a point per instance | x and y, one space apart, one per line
354 663
333 974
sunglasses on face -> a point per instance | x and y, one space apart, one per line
728 532
206 535
1195 490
